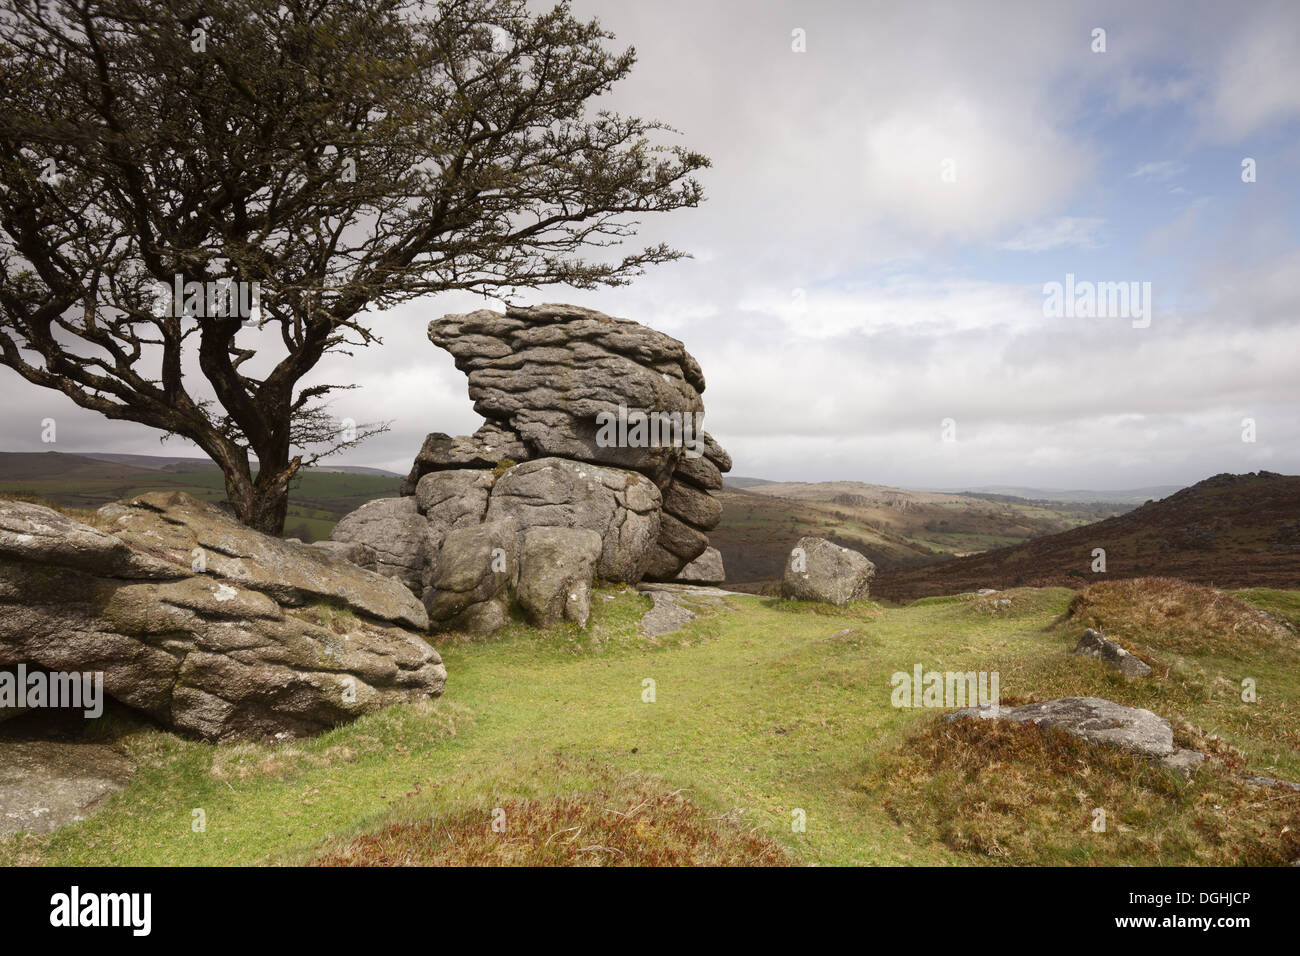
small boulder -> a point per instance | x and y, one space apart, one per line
394 534
706 569
818 570
556 566
1183 762
1094 645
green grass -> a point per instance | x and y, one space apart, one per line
759 711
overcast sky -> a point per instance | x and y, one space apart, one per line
883 212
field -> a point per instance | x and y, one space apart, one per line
764 715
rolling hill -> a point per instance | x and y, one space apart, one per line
894 527
1129 496
1228 531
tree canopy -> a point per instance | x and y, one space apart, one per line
337 157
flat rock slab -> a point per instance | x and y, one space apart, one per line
1091 718
47 784
688 590
676 605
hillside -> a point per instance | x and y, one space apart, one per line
894 527
41 466
1229 531
182 465
317 501
1130 496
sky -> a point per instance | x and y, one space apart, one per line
893 186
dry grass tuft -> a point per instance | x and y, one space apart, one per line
628 823
1166 614
1020 794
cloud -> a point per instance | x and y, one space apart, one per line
1063 231
1159 171
915 299
1257 78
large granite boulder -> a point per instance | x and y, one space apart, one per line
621 506
569 396
819 570
393 536
475 570
204 624
453 499
556 566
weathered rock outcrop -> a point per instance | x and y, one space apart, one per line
819 570
622 507
206 625
593 423
543 374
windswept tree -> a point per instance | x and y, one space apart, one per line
321 159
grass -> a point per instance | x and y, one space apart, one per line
1168 615
747 723
338 618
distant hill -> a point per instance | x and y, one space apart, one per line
317 500
894 527
1229 531
740 481
18 466
1133 496
184 465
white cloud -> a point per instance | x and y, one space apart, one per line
1159 171
1257 79
1077 231
916 303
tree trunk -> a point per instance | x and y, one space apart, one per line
263 509
261 502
